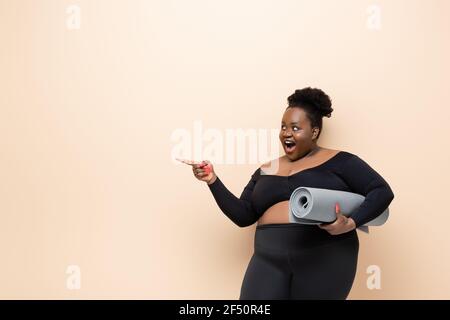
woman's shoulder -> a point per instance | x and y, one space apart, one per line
346 154
346 158
351 162
272 166
349 155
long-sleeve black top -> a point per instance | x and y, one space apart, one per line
344 171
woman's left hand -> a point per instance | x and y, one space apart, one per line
342 224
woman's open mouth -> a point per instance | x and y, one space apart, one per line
289 146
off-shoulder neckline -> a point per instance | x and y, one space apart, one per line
307 169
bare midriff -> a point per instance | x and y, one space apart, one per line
279 212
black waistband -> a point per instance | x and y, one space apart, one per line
293 236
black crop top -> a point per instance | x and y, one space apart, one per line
344 171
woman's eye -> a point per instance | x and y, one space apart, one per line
295 128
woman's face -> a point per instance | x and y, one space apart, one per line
296 133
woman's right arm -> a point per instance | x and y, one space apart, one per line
239 210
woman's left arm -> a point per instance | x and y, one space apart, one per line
363 179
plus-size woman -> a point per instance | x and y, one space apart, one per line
294 261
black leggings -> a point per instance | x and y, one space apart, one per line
293 261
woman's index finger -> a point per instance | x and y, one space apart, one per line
189 162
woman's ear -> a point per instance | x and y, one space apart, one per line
315 133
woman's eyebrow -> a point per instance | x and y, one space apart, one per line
291 122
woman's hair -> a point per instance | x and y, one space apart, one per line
315 102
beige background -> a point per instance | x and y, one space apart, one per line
86 118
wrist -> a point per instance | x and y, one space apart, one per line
212 180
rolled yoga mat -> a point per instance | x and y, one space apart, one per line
315 206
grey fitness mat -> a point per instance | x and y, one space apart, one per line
315 206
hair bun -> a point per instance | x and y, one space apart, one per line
315 98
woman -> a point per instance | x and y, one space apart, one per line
294 261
